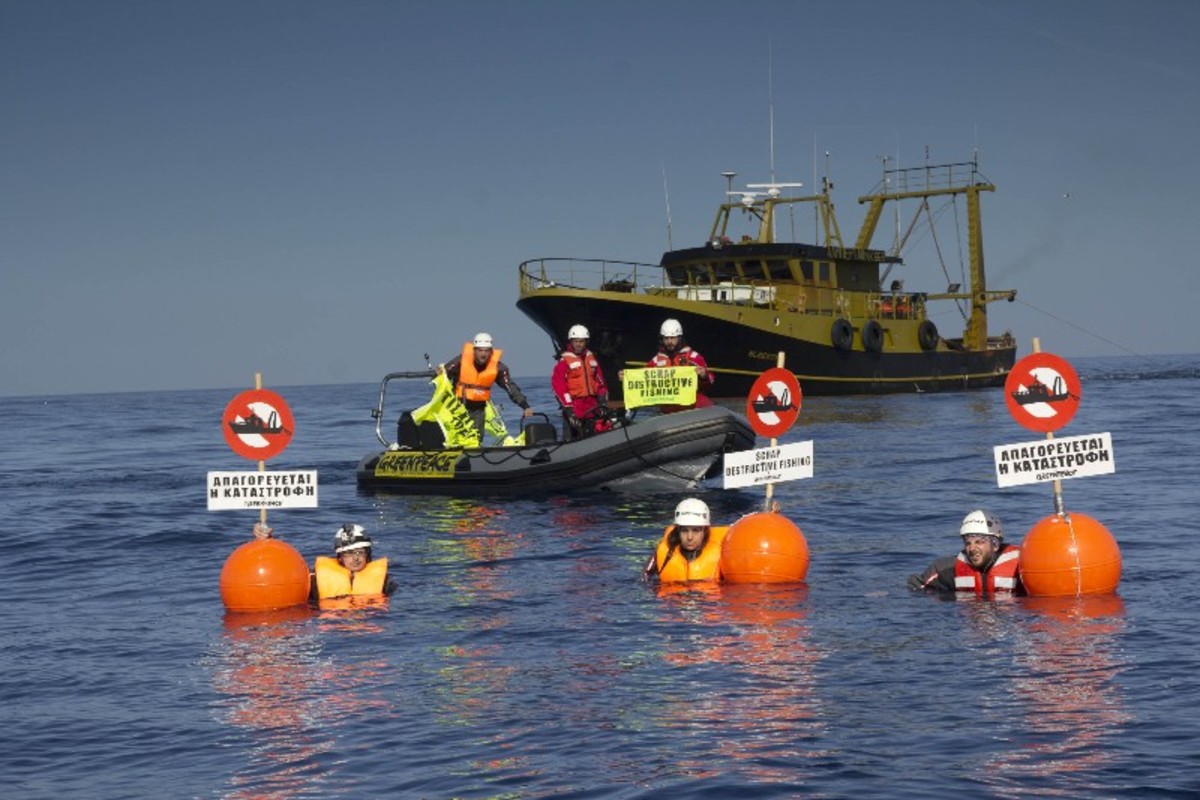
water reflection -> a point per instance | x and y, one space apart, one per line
266 667
285 696
765 707
1068 696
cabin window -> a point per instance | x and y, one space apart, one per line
806 270
823 271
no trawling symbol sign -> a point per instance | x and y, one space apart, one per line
1042 392
774 402
257 424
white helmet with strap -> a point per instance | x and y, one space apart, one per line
483 341
670 327
578 332
692 513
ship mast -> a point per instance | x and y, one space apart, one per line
943 181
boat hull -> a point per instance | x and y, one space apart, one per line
740 343
664 451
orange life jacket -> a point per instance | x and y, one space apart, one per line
581 374
334 580
1002 577
474 384
704 567
681 358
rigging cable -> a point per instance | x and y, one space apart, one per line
1080 328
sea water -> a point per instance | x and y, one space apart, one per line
524 655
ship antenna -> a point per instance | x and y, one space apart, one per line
771 101
667 197
729 176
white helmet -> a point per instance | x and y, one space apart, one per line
351 537
482 340
981 523
671 328
692 513
578 332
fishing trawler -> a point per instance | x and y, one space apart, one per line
743 301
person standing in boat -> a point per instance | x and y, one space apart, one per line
473 373
673 351
985 566
352 571
690 549
578 383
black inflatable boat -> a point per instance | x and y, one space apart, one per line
667 451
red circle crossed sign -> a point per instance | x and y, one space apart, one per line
1042 392
774 402
257 424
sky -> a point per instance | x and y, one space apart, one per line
324 192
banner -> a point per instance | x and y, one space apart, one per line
454 419
657 386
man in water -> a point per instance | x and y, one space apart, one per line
985 566
352 571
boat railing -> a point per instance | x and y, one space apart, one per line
895 305
630 277
589 274
932 178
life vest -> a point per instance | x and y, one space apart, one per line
682 358
1001 577
704 567
581 375
334 580
474 384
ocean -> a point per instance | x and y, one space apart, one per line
524 656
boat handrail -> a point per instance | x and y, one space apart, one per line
594 274
378 411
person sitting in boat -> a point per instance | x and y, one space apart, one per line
352 571
673 351
473 373
690 549
579 386
986 566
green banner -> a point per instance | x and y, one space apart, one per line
656 386
452 416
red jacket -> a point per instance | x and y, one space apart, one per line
577 376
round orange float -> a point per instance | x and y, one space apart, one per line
764 548
1072 555
262 575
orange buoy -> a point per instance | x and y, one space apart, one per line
262 575
764 548
1071 555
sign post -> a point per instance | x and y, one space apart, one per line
772 407
1061 554
1042 392
265 573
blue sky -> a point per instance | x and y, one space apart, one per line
324 191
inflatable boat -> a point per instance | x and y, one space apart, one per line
663 452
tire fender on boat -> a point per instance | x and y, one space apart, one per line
927 335
872 336
842 334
